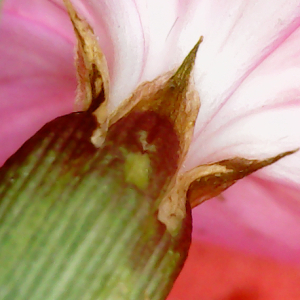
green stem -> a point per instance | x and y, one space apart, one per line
78 222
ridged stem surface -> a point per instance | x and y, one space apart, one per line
76 224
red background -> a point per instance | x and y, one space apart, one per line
214 273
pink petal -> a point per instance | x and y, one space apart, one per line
256 216
48 13
37 81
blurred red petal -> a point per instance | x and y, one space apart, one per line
214 273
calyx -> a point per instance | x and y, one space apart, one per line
171 95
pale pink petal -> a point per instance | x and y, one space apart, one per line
37 79
256 216
158 20
238 36
261 118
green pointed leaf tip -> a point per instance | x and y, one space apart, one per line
78 222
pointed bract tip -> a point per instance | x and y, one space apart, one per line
195 49
182 75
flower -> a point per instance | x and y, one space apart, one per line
246 73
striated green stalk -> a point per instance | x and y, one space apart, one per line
77 222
